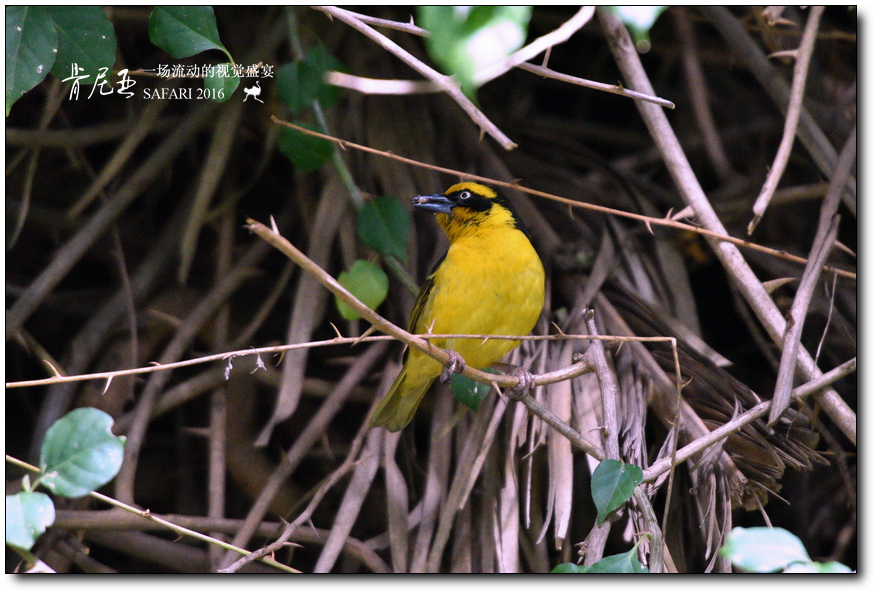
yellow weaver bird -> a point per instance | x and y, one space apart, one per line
490 281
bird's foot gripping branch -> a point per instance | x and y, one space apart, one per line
526 381
455 365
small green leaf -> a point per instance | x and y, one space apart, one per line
299 84
612 484
80 453
623 563
306 152
569 568
763 549
183 31
86 40
384 225
31 49
220 85
464 40
367 282
468 391
28 515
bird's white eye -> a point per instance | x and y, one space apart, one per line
464 196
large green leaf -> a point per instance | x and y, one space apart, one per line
299 84
384 225
80 453
612 484
183 31
86 40
466 39
763 549
367 282
31 49
220 85
305 151
28 515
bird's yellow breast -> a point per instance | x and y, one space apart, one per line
490 282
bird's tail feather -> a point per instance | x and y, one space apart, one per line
398 406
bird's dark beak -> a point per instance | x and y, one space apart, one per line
434 204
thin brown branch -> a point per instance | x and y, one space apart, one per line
114 521
795 105
537 46
611 88
550 377
609 392
698 93
83 136
796 320
377 86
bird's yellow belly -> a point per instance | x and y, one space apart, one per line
479 289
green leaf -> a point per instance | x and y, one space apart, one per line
221 84
464 40
569 568
468 391
80 453
86 40
831 567
367 282
31 45
384 225
306 152
612 484
28 515
183 31
623 563
762 549
814 567
299 84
